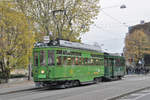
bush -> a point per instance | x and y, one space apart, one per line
17 76
3 77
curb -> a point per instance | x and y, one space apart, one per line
16 91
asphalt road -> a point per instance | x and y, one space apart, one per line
101 91
140 95
146 97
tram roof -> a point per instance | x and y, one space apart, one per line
68 44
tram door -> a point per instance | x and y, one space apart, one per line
111 67
108 67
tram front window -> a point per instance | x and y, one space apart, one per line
35 58
51 58
42 58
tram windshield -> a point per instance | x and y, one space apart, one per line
51 57
44 58
35 58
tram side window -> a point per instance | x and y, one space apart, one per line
77 61
94 62
59 60
35 58
101 61
64 60
83 61
80 61
105 62
51 58
91 61
109 63
69 61
59 52
42 58
73 60
118 62
86 61
98 61
122 62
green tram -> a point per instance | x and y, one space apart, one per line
71 64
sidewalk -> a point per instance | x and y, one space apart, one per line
136 75
16 86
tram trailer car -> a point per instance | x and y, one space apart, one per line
69 65
114 66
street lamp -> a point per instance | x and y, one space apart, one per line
123 6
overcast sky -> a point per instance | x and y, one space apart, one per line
112 23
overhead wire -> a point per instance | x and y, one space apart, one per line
109 7
115 19
108 31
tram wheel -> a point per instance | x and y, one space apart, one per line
97 80
76 83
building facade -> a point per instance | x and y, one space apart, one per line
145 50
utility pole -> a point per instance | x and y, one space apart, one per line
30 69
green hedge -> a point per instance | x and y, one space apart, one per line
3 75
17 76
3 78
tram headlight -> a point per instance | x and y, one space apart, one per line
42 71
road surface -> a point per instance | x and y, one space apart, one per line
101 91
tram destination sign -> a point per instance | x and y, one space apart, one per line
46 39
79 45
